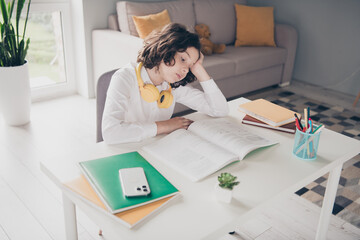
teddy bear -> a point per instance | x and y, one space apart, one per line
207 46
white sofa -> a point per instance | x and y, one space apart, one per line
237 71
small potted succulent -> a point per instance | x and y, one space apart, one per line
224 187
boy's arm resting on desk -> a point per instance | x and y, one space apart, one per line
172 124
128 132
211 102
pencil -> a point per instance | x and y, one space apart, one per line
321 126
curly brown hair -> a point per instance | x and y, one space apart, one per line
164 44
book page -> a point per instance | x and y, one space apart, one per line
231 136
189 154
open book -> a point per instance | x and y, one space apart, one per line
207 146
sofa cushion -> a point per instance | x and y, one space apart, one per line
219 67
220 16
254 26
146 24
248 59
179 11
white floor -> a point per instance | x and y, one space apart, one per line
30 205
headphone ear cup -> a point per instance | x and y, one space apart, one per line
149 93
165 99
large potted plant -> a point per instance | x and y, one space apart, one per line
15 96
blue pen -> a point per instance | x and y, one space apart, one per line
310 125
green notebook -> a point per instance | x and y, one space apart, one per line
103 175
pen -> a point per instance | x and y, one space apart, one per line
237 235
299 122
306 117
308 112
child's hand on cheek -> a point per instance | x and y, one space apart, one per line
199 71
198 64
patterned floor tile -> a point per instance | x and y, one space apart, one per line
312 196
338 109
354 207
357 164
336 128
311 185
337 208
284 99
350 217
320 180
353 131
355 118
351 172
301 191
352 182
333 120
342 201
352 195
319 189
327 123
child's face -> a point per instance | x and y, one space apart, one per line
183 62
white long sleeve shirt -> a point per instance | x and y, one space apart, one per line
129 118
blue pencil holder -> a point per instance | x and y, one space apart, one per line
306 145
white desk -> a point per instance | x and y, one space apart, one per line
263 174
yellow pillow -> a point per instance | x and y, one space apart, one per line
146 24
254 26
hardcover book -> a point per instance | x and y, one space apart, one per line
268 112
103 176
129 218
289 127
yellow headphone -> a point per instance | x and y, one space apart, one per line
151 94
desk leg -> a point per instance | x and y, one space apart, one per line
328 203
70 218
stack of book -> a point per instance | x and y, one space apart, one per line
266 114
100 186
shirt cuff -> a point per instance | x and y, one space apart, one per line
209 86
150 130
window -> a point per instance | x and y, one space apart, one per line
50 54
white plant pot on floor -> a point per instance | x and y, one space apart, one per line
15 98
223 194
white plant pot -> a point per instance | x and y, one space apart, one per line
15 98
222 194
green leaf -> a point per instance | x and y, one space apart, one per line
11 8
25 50
27 16
226 180
14 46
4 11
19 8
20 52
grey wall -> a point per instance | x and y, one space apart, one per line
328 51
95 17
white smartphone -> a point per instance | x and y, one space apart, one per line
134 182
